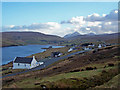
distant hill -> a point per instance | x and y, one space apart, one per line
72 35
25 38
110 38
90 34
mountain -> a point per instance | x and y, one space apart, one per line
25 38
72 35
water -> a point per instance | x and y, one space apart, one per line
9 53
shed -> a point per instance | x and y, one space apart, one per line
55 54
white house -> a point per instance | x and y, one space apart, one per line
71 49
25 63
99 46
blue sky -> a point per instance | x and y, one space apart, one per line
26 13
16 13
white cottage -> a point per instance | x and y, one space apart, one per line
24 63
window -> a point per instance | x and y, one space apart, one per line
18 64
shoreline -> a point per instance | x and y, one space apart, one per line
29 55
29 44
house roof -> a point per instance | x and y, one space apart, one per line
23 60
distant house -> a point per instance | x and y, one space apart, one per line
25 63
86 48
55 54
91 45
99 46
86 44
71 49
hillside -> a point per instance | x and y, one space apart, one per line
77 71
24 38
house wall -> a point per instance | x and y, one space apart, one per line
21 66
70 50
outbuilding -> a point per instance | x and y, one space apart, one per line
56 54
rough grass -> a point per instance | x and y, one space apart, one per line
30 82
85 82
113 83
9 71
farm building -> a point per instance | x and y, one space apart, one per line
25 63
55 54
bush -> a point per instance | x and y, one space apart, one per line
77 70
103 71
82 70
105 66
70 57
94 51
110 64
89 68
54 68
95 68
37 83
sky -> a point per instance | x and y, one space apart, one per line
60 18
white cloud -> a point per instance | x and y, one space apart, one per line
93 23
78 20
107 23
87 28
34 26
47 28
93 17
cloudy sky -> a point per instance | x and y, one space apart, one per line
60 18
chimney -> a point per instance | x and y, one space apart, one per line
33 57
